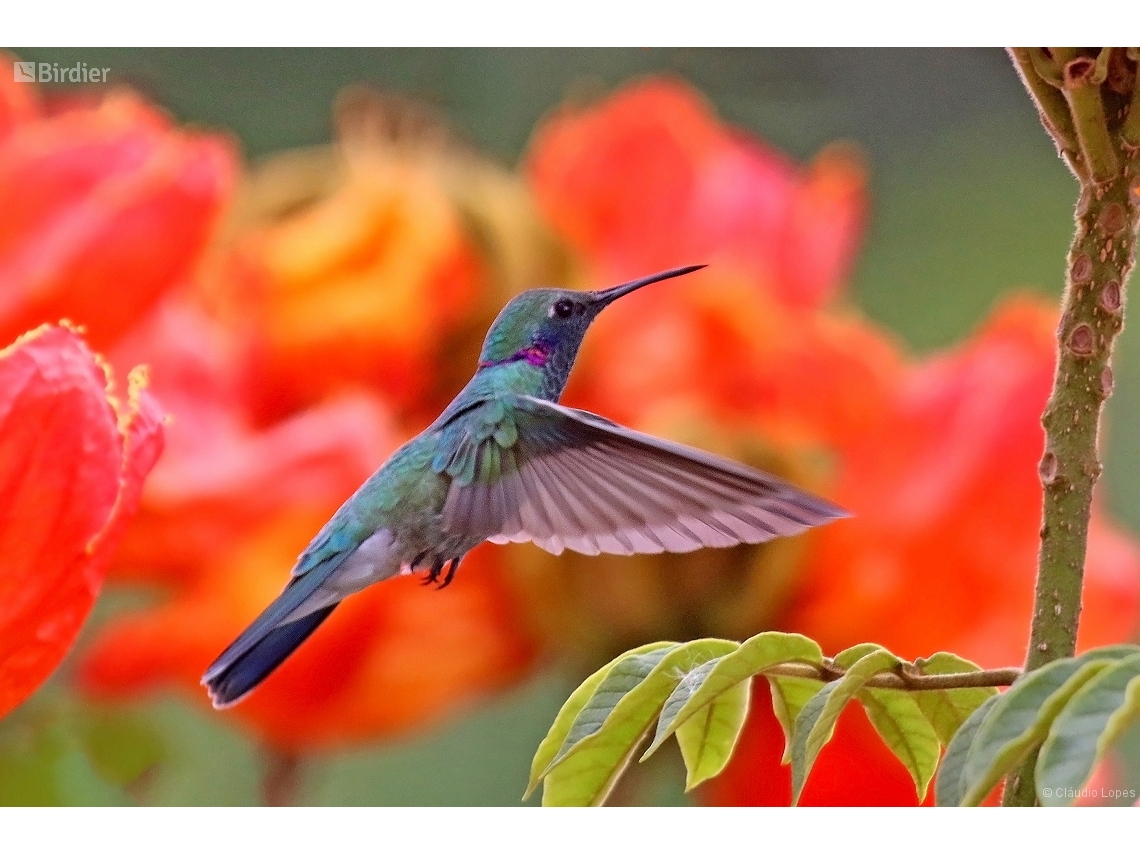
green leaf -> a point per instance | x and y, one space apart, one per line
1021 718
816 721
789 694
950 788
627 674
1100 710
851 655
947 709
748 659
548 748
708 737
898 719
680 695
613 721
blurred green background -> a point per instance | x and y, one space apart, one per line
968 202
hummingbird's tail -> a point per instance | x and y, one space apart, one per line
336 564
264 645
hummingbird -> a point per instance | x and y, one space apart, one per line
506 462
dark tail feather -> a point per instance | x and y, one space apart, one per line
236 679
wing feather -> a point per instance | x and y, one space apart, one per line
569 479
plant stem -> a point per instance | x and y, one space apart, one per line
1130 130
1092 314
1081 80
1042 77
902 680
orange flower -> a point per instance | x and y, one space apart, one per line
361 287
379 261
72 463
102 210
649 179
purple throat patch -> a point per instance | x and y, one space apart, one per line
535 355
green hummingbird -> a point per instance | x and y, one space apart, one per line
505 462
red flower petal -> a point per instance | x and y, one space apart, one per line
71 468
620 178
854 769
364 287
649 179
98 202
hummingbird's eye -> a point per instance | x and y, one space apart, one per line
564 308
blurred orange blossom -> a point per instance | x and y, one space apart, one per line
378 262
103 208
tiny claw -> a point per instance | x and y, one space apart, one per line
436 569
451 568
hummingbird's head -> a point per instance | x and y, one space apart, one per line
545 326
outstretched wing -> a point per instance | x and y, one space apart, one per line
533 470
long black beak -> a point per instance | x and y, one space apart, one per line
604 298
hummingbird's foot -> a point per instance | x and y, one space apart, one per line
434 573
451 568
